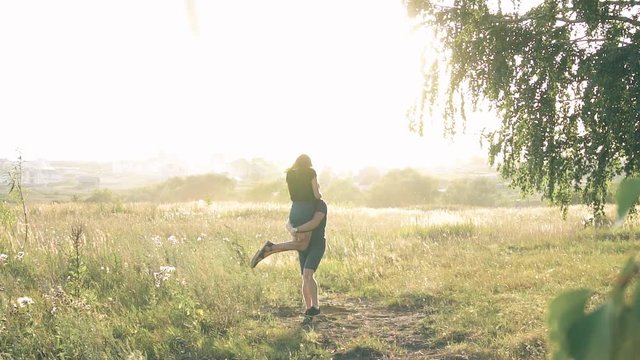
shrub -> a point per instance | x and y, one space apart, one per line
102 196
190 188
272 191
403 188
479 191
343 191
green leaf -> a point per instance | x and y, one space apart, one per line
590 337
636 302
628 341
631 344
625 343
564 311
627 195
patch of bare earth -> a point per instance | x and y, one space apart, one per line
346 325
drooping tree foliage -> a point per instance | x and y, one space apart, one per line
564 78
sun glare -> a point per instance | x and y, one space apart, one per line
119 80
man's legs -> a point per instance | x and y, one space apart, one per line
309 289
306 295
309 261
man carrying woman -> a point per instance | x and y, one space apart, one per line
307 223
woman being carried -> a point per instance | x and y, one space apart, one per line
304 191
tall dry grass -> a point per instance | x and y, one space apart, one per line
172 280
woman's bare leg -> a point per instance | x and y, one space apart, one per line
300 242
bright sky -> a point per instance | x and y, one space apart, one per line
111 80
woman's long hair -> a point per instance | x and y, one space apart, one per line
302 162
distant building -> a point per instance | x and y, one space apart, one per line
40 172
5 166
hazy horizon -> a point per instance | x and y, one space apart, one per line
254 80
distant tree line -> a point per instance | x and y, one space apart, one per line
396 188
210 187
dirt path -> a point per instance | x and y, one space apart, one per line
346 324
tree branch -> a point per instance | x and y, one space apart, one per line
571 21
610 17
599 40
587 40
624 20
621 3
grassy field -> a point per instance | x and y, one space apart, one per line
144 281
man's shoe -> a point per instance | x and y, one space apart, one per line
312 311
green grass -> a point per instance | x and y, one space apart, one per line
479 279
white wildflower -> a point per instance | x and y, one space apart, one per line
172 239
3 258
24 301
20 255
163 275
167 269
156 240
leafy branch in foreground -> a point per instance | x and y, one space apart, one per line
612 330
